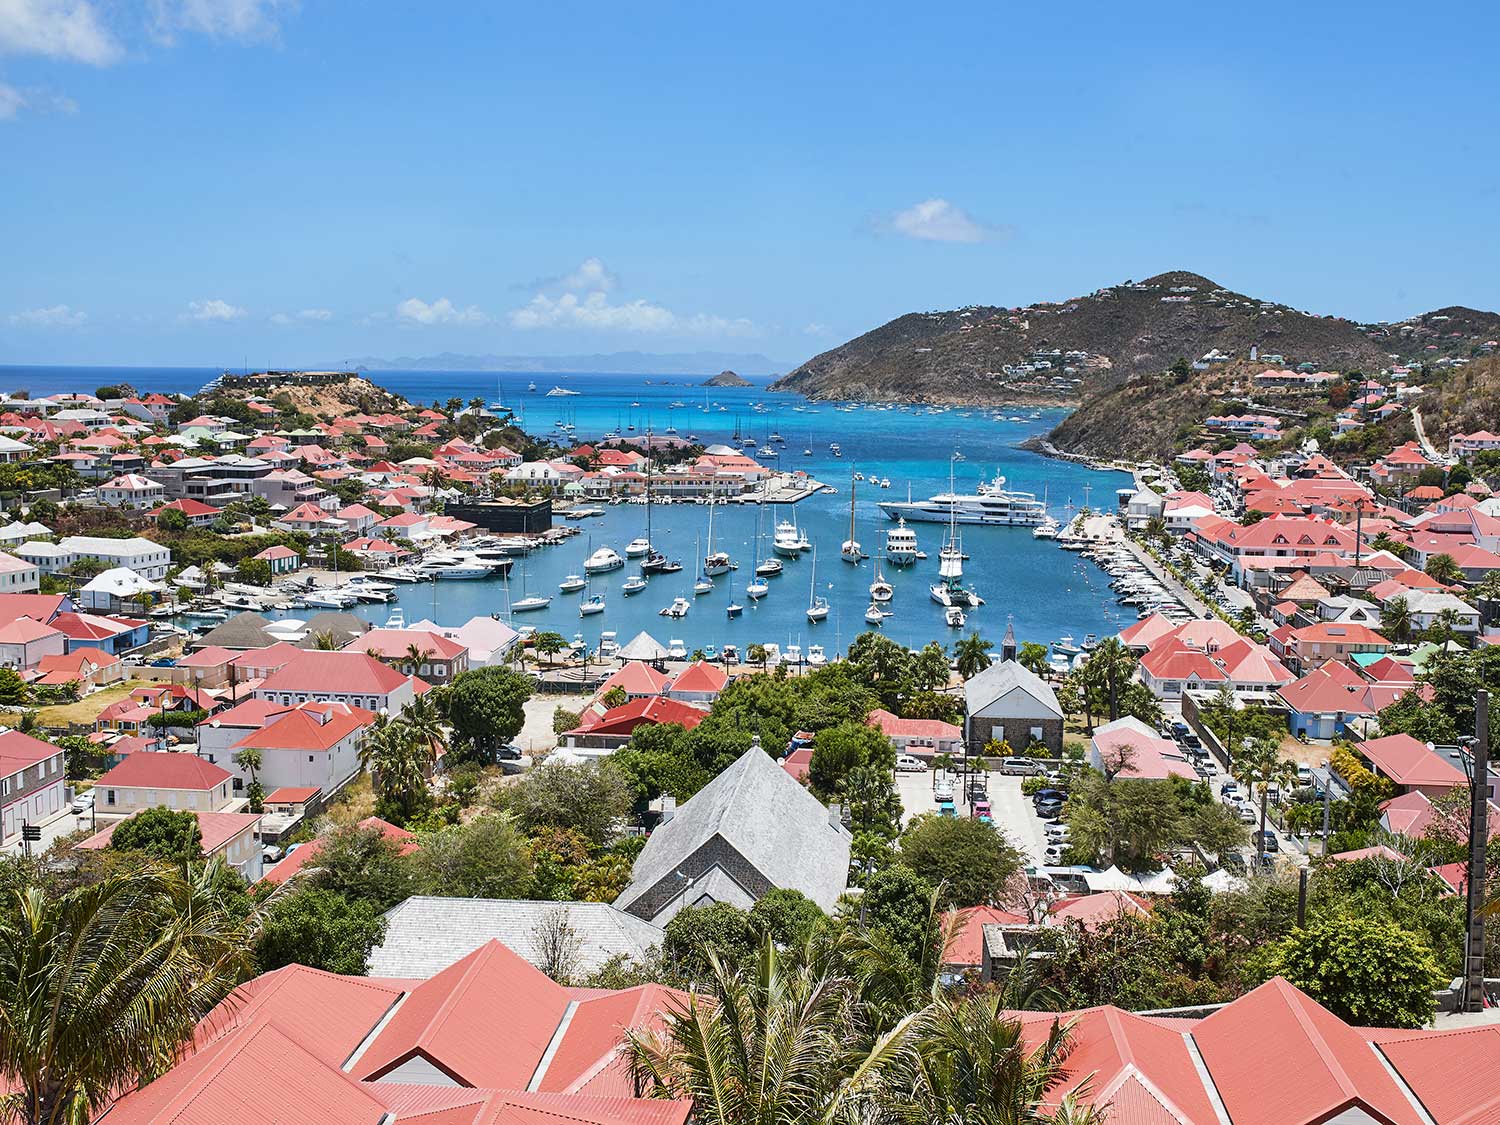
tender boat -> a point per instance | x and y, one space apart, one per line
637 547
1064 646
768 568
792 655
954 616
603 560
816 657
733 609
633 585
571 584
678 608
676 650
592 604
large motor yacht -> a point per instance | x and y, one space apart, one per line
992 503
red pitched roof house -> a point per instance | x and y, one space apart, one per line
305 857
309 745
921 737
1411 765
354 678
283 559
614 728
228 835
441 658
179 781
31 782
699 682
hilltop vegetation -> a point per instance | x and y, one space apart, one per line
1092 344
1462 400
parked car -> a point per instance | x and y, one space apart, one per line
1057 832
1304 775
83 802
982 811
1267 841
905 763
1023 767
946 808
1179 729
1054 854
943 791
1230 790
1248 814
1049 809
1047 794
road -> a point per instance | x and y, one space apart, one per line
1010 809
1189 600
63 824
1427 446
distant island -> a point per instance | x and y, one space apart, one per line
612 363
727 379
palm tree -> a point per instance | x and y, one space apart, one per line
967 1063
102 986
1108 669
250 760
1445 569
768 1046
1261 764
972 654
420 717
1383 542
414 657
398 762
1396 620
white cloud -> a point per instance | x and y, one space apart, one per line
594 311
442 311
60 29
815 329
245 21
937 220
591 276
214 311
54 316
11 102
305 314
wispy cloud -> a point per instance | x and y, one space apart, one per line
242 21
938 220
442 311
214 311
59 29
585 303
11 102
53 316
815 329
305 314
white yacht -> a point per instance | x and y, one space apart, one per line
527 605
454 564
900 544
676 650
678 608
816 657
637 547
602 560
789 540
1047 529
560 392
609 644
768 568
633 585
991 503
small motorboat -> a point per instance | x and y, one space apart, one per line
1064 646
954 617
676 650
807 453
816 657
609 644
768 568
875 615
1090 642
792 655
637 547
704 585
592 604
678 608
527 605
730 655
633 585
571 584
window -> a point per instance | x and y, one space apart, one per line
109 797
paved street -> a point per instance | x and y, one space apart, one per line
63 824
1012 811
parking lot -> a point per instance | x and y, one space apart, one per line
1011 811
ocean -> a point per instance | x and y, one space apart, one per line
1047 593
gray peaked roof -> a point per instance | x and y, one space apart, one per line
753 823
425 935
243 630
643 646
345 628
1004 676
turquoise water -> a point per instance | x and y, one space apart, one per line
1047 592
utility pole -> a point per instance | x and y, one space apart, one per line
1479 836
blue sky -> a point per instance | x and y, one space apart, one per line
223 181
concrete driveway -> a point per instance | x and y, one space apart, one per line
1012 812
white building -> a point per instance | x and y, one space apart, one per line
18 576
148 559
132 491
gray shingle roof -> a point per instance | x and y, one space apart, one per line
345 627
643 646
424 935
1004 676
760 811
243 630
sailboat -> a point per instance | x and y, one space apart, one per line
850 551
592 604
527 604
733 609
715 563
705 584
880 589
654 561
757 587
817 605
949 590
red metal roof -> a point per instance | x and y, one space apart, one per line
165 771
304 856
308 726
642 711
344 673
1408 762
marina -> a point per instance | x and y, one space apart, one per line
758 580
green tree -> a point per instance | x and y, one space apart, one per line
1367 972
788 917
928 670
486 709
486 857
1443 567
320 929
592 798
167 834
899 901
1104 677
399 763
1033 657
172 520
614 697
968 860
696 936
14 691
254 572
869 793
972 654
101 986
362 864
250 760
839 749
549 644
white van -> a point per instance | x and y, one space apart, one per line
905 763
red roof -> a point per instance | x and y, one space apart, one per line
967 944
343 673
1452 1073
1095 909
216 828
165 771
17 751
450 1021
308 726
701 677
637 678
1408 762
293 794
393 643
278 552
187 507
894 726
643 711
